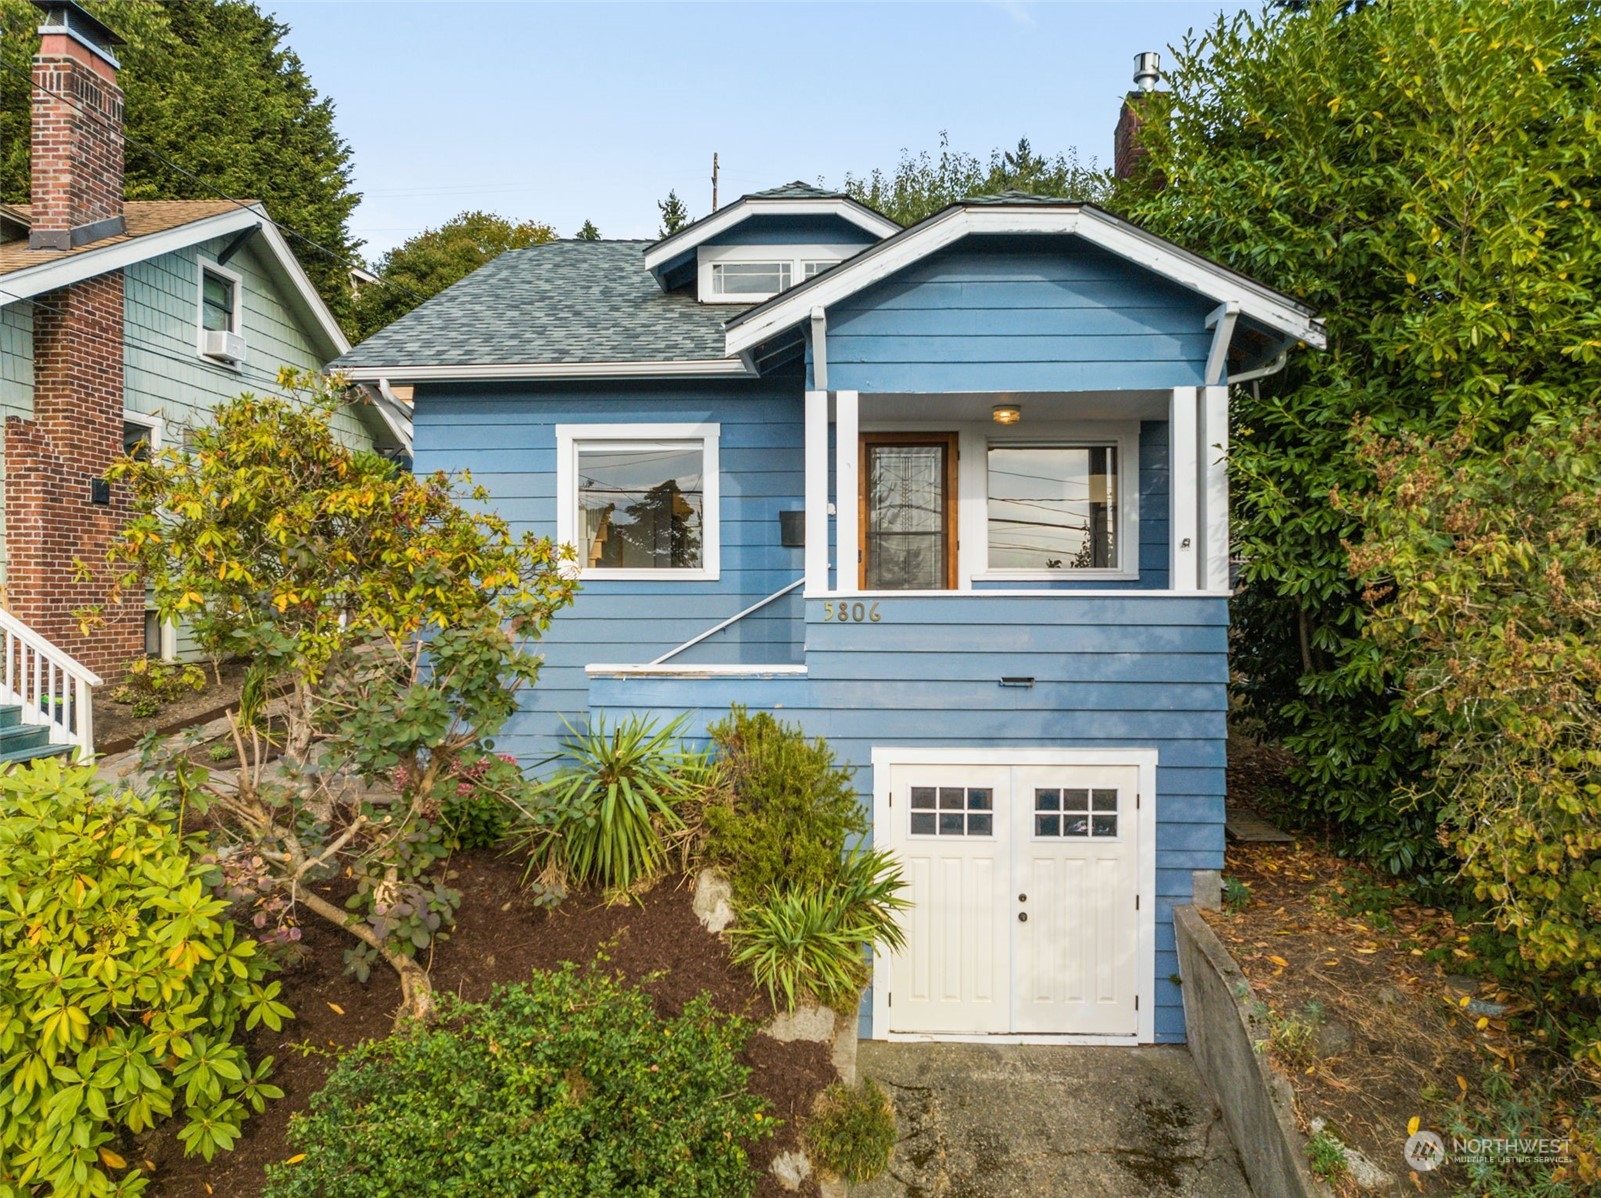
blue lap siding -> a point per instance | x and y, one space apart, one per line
1108 672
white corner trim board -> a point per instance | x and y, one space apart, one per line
1101 229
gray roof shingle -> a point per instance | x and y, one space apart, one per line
796 191
561 302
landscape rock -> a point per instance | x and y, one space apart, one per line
1390 996
714 900
803 1023
791 1169
1333 1039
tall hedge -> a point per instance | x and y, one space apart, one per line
1423 174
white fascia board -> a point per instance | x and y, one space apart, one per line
727 218
513 371
87 264
877 263
303 288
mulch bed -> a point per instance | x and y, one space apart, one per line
500 937
117 729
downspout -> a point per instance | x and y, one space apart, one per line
1261 372
819 350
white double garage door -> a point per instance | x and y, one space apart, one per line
1031 879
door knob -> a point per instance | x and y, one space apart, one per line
1022 917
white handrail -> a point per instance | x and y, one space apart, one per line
53 689
733 619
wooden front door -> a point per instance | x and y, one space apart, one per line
908 512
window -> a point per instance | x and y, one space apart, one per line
639 501
750 278
1075 813
141 434
953 811
1053 508
219 301
748 274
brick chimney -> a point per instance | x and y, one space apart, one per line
1126 149
77 131
59 508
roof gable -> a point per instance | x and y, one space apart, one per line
1011 215
665 258
156 227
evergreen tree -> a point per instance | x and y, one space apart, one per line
918 187
674 215
589 232
212 86
424 265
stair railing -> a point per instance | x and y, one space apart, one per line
50 686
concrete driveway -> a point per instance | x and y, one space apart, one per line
998 1121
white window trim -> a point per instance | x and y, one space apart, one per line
155 424
972 502
883 757
797 256
569 439
1126 439
207 266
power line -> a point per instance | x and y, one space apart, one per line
334 255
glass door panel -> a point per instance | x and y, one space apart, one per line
906 519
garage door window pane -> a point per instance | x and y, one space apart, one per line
962 811
1075 813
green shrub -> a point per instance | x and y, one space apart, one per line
121 988
813 942
790 809
852 1133
149 684
569 1084
1236 894
1325 1156
1530 1106
608 810
476 814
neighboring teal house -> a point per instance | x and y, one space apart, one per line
953 497
120 323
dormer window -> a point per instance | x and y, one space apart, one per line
749 274
756 280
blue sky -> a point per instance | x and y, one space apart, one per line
562 112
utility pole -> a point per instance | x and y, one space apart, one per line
714 180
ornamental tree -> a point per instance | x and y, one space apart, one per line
1422 173
392 616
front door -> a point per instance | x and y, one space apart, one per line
1024 884
908 512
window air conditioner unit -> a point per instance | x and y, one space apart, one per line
221 344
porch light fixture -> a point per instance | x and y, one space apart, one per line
1006 413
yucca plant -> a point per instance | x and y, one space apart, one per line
608 812
813 941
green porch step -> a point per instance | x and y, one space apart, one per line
25 742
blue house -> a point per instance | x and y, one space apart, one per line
953 497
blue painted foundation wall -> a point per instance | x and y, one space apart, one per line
1147 671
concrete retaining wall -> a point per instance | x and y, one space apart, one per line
1224 1028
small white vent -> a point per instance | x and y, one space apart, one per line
223 345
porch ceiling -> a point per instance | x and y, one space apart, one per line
1037 405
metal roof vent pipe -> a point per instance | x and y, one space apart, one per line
1147 70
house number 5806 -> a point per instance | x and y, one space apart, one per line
851 613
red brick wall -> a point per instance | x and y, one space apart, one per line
77 155
1126 148
75 433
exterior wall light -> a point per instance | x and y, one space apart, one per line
1006 413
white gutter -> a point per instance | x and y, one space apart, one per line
491 372
1261 372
